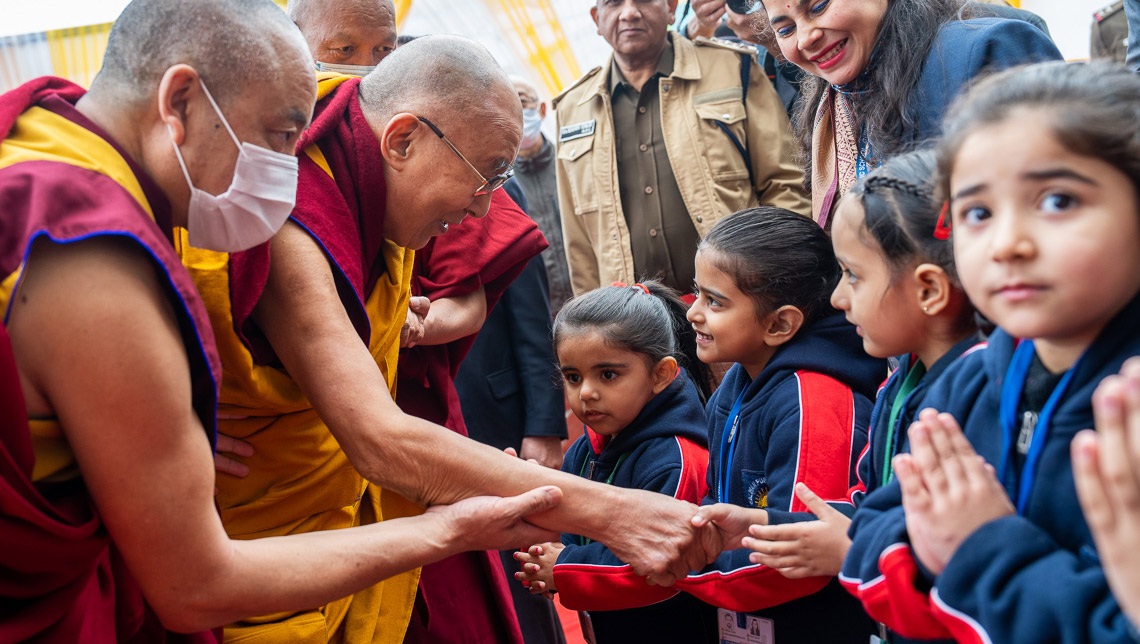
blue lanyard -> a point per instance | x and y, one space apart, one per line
1011 391
727 446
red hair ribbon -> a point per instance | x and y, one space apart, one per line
639 285
942 228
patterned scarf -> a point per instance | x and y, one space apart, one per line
834 154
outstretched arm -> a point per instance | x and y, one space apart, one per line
139 446
303 318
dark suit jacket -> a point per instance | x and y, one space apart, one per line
508 385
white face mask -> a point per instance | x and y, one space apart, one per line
347 70
532 128
254 207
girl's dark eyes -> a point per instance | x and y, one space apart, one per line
1058 202
975 215
571 378
609 374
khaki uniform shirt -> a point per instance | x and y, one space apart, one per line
662 237
702 90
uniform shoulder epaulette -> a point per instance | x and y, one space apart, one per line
585 77
736 47
1100 14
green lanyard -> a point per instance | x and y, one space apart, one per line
913 376
585 541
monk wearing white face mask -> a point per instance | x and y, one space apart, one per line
106 485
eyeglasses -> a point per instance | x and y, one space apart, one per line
489 185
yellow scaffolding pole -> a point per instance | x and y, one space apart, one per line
542 43
77 53
402 9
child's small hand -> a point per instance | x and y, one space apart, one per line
804 549
948 490
1106 470
725 525
537 565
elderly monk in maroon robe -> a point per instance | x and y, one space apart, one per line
108 527
459 276
403 155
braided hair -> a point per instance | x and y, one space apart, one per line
901 212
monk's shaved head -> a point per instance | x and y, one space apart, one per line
451 78
304 12
352 32
230 43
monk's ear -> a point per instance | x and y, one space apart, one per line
542 110
397 139
594 15
175 89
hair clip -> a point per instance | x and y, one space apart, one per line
942 228
635 286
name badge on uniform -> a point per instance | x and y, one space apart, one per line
742 628
577 131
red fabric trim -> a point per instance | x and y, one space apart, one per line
860 486
595 587
693 486
827 425
749 589
962 627
16 101
893 598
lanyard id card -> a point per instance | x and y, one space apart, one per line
742 628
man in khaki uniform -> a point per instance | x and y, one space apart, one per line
661 143
1109 33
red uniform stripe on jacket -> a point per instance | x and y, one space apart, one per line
827 418
692 485
964 628
893 598
599 587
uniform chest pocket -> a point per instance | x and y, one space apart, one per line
718 120
755 486
576 157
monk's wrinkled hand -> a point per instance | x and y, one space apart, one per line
653 534
224 461
499 523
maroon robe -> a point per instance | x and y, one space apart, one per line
464 598
61 577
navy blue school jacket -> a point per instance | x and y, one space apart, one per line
874 459
804 418
662 450
1033 577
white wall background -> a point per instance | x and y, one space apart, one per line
1069 21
